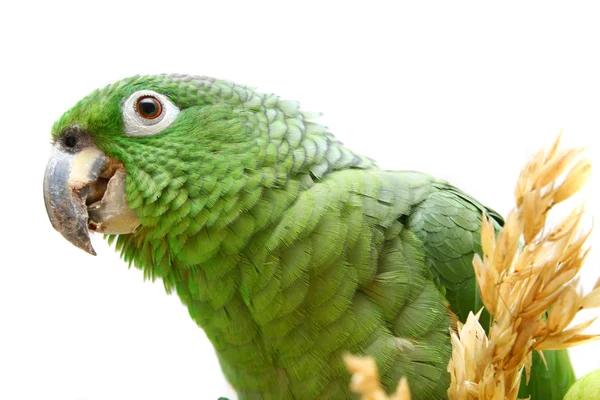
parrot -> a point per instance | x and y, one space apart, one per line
288 249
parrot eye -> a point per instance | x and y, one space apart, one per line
147 113
148 107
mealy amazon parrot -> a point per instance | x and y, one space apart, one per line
287 248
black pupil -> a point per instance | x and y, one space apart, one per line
70 141
148 107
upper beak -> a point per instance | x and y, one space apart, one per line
85 179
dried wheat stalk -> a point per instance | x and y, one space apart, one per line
365 380
518 285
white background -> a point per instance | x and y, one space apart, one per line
467 92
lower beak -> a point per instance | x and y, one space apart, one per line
85 190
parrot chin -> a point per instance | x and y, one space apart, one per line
84 190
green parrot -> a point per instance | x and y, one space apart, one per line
287 248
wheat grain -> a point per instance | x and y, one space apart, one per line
518 285
365 380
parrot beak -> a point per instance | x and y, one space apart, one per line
84 190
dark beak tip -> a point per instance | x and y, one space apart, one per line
90 250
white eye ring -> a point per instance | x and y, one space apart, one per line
137 125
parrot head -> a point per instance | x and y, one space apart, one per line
143 151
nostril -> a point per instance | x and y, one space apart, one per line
70 141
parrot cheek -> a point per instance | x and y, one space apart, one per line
84 190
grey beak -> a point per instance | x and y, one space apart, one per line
66 180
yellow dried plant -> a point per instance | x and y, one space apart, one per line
365 380
518 284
